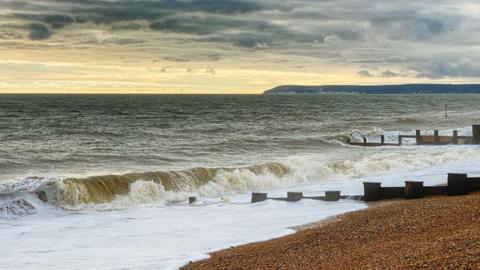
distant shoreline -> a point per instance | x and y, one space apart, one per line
377 89
432 233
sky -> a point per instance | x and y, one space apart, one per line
233 46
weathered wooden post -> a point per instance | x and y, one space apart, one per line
418 137
331 196
191 200
382 139
436 138
294 196
455 137
400 140
364 141
414 190
457 184
372 191
258 197
476 134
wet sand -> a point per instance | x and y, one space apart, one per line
430 233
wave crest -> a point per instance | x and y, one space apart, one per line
103 189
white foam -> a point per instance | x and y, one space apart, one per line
156 236
150 237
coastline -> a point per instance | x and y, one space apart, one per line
434 232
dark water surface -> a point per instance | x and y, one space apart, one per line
86 135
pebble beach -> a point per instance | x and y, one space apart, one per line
431 233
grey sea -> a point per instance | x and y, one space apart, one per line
85 179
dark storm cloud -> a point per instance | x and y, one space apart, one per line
134 7
416 27
193 25
56 21
448 67
245 33
107 12
38 31
380 38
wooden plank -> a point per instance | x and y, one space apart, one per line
332 195
294 196
393 192
414 190
258 197
435 190
372 191
457 184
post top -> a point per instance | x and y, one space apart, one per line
462 174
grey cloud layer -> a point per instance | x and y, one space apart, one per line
369 33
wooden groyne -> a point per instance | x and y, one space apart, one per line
333 195
420 139
457 184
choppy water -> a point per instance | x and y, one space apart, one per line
72 158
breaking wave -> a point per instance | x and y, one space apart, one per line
176 186
135 188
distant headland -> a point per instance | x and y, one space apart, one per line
377 89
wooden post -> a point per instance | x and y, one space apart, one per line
258 197
191 200
294 196
436 139
364 140
476 134
418 137
414 190
455 137
457 184
331 196
372 191
382 139
399 140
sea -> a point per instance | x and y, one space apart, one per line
103 181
